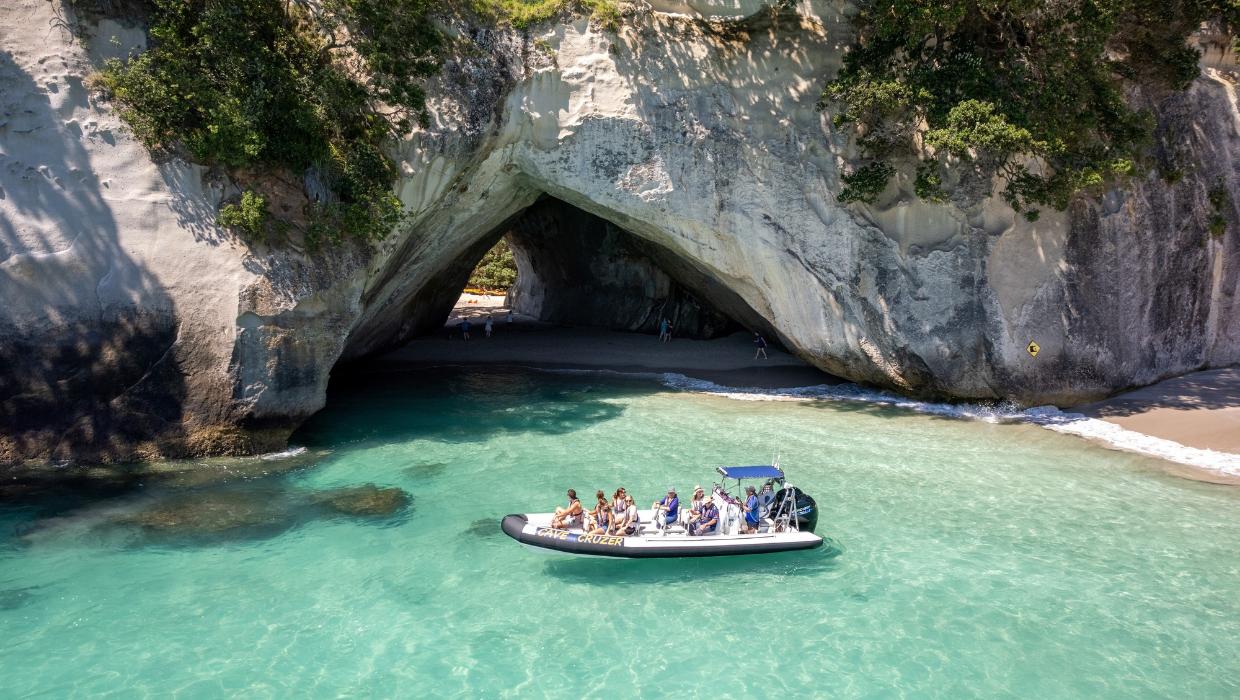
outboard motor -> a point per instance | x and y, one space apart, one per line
806 516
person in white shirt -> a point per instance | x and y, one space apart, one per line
632 522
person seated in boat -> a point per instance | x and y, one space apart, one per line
630 522
666 510
706 523
567 514
751 510
592 515
603 519
617 501
695 504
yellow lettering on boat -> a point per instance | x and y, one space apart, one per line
588 539
601 539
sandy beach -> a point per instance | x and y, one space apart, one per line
529 343
1201 410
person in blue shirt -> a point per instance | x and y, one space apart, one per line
708 520
666 510
751 510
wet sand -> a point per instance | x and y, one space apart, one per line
1201 410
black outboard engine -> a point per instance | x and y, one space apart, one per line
806 511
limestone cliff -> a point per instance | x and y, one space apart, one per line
133 325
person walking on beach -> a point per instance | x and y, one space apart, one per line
760 343
465 326
663 329
486 327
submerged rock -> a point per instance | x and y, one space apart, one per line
367 500
14 598
213 512
483 527
425 470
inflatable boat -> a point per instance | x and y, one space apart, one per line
787 518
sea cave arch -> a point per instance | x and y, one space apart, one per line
576 268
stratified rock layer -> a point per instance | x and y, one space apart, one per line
134 326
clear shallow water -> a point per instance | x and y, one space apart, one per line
972 559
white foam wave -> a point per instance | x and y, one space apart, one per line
1131 440
1047 417
283 454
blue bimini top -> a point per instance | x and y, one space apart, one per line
759 472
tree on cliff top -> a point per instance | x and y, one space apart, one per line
1033 90
311 87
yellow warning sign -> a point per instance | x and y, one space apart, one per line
1032 348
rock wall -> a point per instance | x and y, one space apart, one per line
119 316
134 326
577 269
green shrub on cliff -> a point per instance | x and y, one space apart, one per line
1027 89
250 215
310 87
523 13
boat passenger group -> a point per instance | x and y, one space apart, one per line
620 517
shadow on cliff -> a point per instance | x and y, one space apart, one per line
87 364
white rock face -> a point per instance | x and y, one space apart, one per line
699 137
120 293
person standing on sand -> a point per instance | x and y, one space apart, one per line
760 343
486 327
465 326
510 317
663 329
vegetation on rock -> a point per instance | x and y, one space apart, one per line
497 271
250 215
1030 90
523 13
1220 201
311 87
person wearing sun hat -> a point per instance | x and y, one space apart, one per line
751 509
706 523
695 505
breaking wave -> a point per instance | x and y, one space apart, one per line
1047 417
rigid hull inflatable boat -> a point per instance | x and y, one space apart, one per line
787 517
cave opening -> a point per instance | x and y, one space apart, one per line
555 265
584 293
565 287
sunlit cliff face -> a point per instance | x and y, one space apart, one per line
694 142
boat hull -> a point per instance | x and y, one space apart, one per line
530 532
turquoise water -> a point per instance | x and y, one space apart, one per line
970 560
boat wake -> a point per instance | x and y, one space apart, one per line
1047 417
